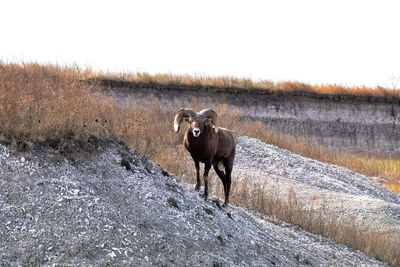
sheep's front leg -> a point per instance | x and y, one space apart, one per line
197 165
207 168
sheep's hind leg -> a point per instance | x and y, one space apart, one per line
228 163
197 165
219 172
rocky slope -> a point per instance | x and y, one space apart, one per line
100 203
317 184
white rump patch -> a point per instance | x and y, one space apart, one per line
221 165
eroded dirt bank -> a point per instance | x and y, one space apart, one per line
343 122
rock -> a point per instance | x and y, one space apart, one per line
173 202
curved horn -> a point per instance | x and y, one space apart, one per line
180 114
211 114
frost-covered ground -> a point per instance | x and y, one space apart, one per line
317 184
100 203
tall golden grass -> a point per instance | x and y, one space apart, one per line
38 103
245 83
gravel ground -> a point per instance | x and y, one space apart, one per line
101 203
341 190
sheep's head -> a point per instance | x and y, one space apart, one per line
196 120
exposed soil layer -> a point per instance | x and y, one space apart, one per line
358 123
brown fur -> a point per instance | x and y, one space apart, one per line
211 148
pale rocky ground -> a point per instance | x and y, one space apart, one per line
317 184
100 203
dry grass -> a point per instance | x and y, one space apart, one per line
370 164
317 218
39 103
245 83
395 186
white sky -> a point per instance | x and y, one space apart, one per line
351 42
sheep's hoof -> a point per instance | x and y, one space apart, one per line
205 196
225 204
197 187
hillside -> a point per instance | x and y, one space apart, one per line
340 121
98 202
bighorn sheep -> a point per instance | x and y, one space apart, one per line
208 143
